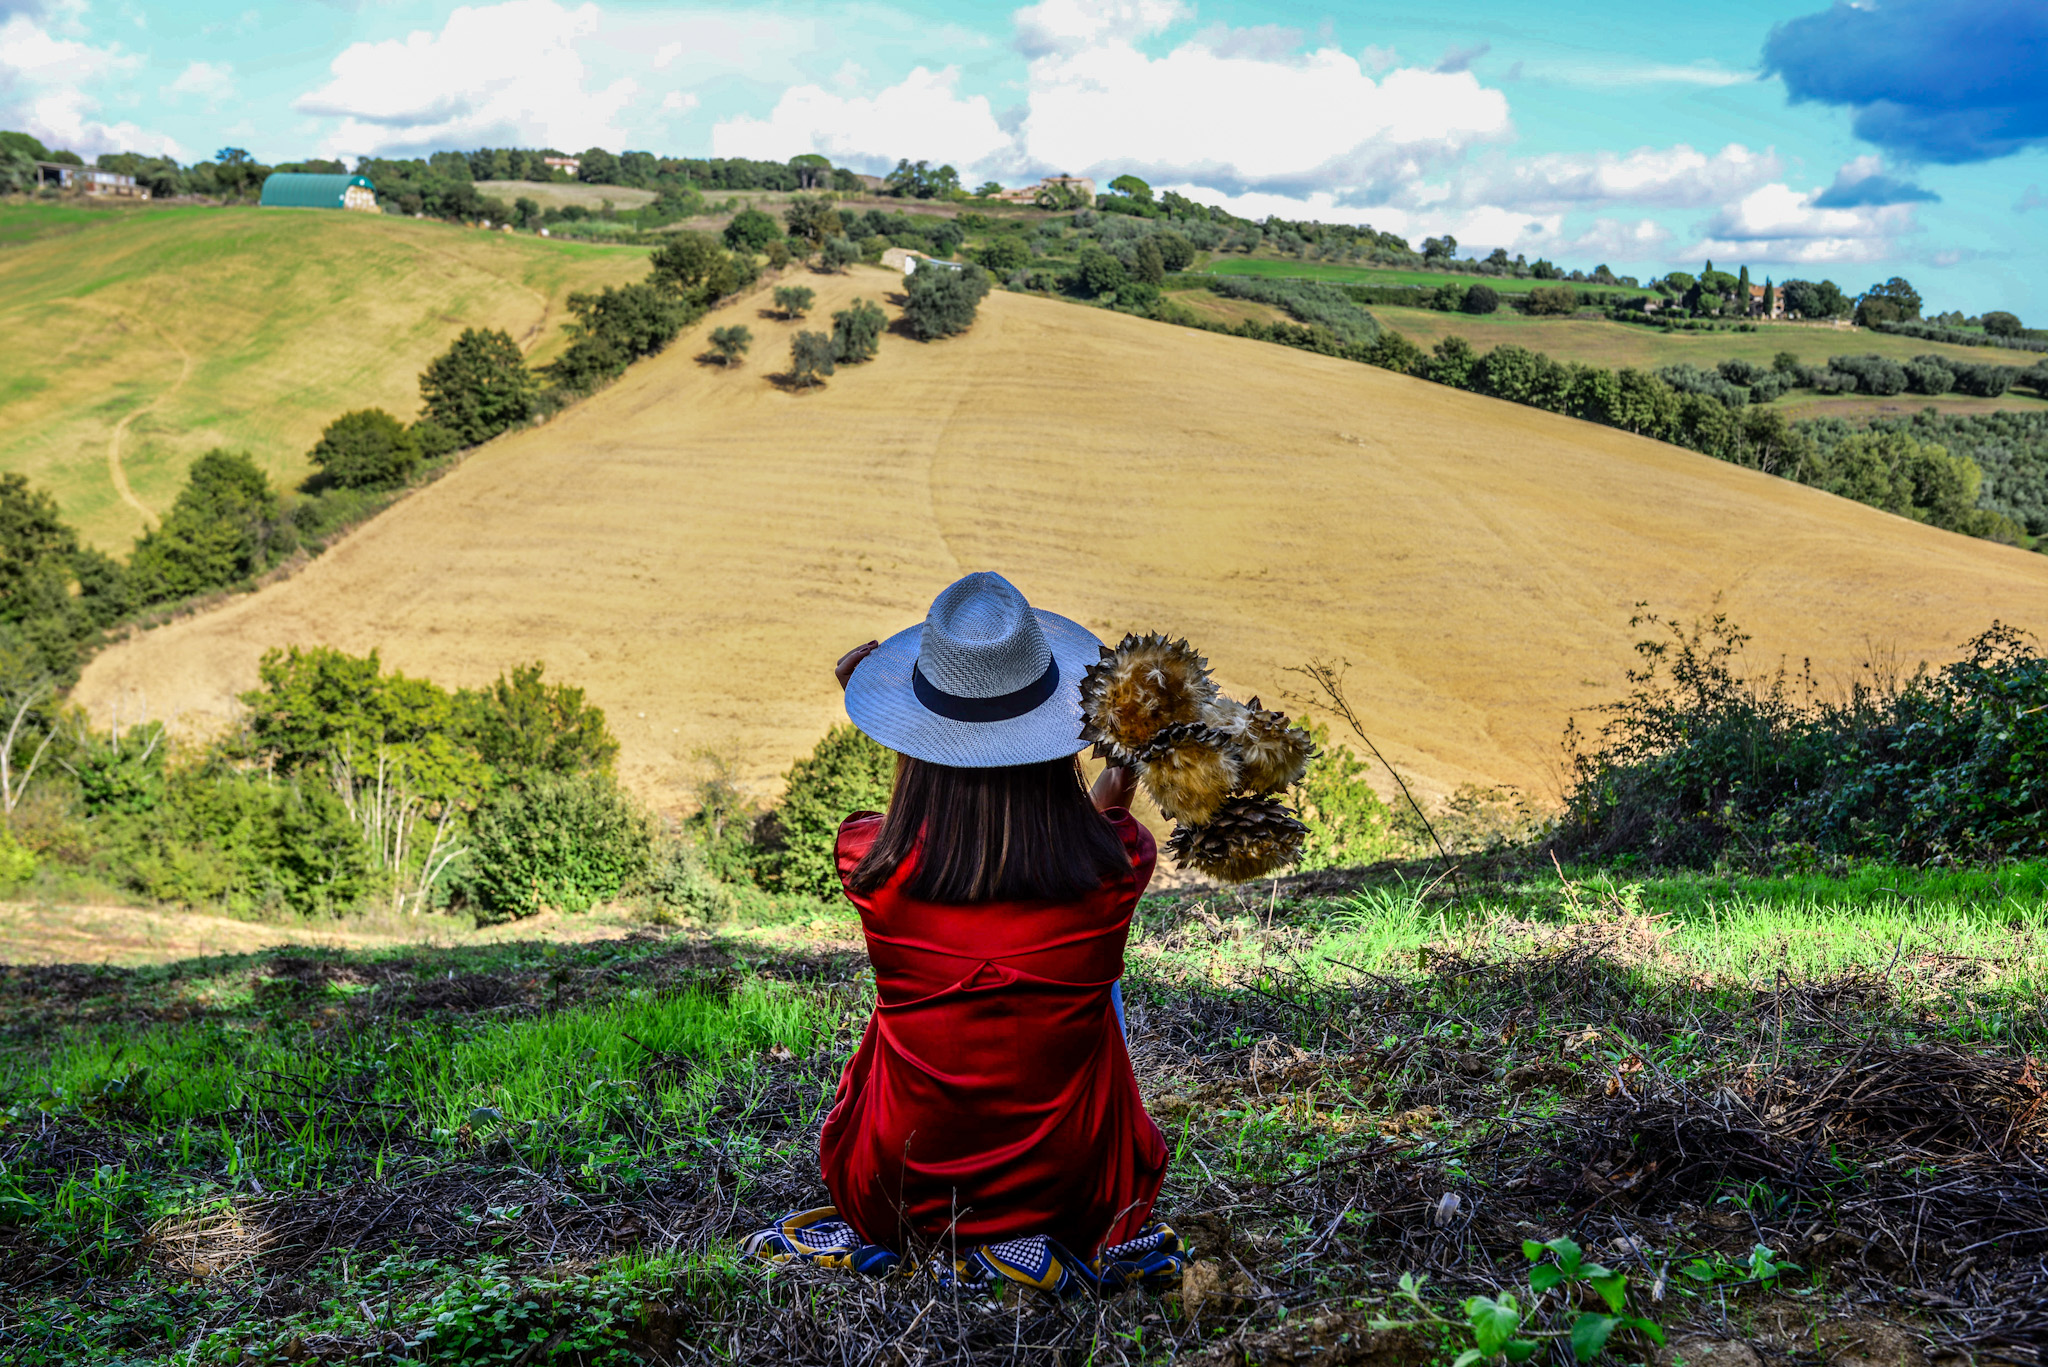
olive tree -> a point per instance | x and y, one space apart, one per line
794 301
730 343
810 358
940 302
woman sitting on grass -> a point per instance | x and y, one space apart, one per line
991 1109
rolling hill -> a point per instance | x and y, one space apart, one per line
132 340
696 546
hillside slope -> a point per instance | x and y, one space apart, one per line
696 546
138 339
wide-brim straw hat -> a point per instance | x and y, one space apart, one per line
985 680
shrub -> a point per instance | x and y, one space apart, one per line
479 386
810 358
366 449
794 301
1005 254
940 302
729 344
566 842
1348 823
1099 273
223 528
1176 253
245 843
433 440
1874 374
751 231
1698 764
846 773
1481 299
2001 324
1929 375
840 253
857 332
1545 299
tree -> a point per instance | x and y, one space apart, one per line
1132 186
1175 251
523 727
222 529
1439 248
33 538
1742 291
751 231
794 301
840 253
1481 299
810 358
1099 273
812 219
987 189
696 267
1558 300
940 302
1901 294
18 173
1150 266
1875 309
1005 254
2002 324
1770 298
366 449
479 386
731 343
813 172
857 332
921 181
597 167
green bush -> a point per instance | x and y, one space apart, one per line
857 332
751 231
566 842
940 302
846 773
246 843
840 253
1348 824
366 449
1698 765
224 528
479 386
1005 255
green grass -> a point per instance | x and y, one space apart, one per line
240 327
572 1137
1596 341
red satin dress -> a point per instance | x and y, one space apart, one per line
991 1097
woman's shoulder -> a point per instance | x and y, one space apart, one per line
1139 846
857 836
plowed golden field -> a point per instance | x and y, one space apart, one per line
697 545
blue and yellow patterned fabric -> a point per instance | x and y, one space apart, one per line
1153 1260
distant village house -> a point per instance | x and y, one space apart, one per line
1756 302
908 259
301 190
570 164
89 180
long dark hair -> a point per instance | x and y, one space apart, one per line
1021 832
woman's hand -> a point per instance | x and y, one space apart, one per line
1113 787
844 669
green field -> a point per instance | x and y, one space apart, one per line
1596 341
547 1153
1374 275
134 339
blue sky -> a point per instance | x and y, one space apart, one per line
1848 141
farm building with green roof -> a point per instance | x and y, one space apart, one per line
298 190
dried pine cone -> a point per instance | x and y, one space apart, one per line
1248 838
1189 769
1271 755
1144 685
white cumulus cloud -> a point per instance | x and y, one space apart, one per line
922 116
1070 25
1316 122
213 81
507 73
44 85
1777 223
1659 177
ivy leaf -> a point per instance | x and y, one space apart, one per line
1494 1322
1589 1335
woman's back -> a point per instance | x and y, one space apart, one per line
992 1097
